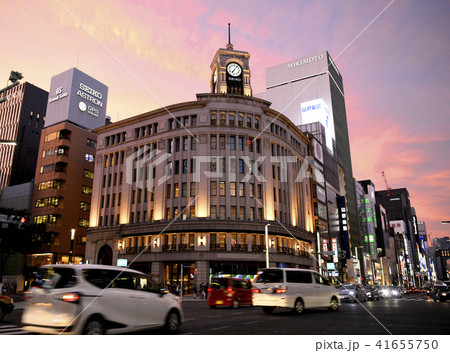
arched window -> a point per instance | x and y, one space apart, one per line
240 120
213 119
256 123
223 119
249 121
231 119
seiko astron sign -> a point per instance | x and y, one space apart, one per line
77 97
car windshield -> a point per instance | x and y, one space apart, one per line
270 276
348 286
58 277
219 283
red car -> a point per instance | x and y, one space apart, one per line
230 292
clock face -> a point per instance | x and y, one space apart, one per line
234 69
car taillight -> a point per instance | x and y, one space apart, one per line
70 297
255 290
209 290
280 290
230 290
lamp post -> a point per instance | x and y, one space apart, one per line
319 257
72 238
266 228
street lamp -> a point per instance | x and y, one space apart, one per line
72 238
8 142
445 222
267 244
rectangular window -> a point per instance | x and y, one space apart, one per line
232 143
241 190
241 166
222 188
183 189
213 142
169 146
185 143
167 213
213 188
176 190
193 191
222 142
85 206
241 143
252 190
213 212
177 144
259 191
232 189
168 191
192 211
222 212
252 213
242 212
193 143
86 190
193 120
88 174
185 166
233 212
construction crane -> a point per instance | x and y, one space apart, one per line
389 190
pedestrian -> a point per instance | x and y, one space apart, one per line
202 290
194 290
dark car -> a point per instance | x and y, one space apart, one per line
231 292
440 292
372 292
6 305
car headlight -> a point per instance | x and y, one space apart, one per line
352 292
444 294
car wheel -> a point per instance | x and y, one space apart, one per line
235 304
172 322
94 326
334 305
268 309
298 307
2 312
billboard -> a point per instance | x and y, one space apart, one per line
317 111
76 97
399 226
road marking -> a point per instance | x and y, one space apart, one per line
219 328
251 322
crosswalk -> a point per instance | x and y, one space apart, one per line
12 330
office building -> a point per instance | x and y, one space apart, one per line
64 173
22 118
310 89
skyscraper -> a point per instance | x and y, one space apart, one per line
310 89
22 118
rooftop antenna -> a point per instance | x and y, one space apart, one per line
229 45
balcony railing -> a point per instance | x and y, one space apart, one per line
185 247
214 246
258 247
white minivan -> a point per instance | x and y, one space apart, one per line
296 289
98 299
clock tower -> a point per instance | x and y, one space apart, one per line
230 71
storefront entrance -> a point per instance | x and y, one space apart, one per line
172 277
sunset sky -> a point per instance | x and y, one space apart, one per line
153 53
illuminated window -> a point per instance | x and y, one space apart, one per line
242 212
233 189
223 119
213 211
222 212
85 206
241 189
213 119
222 188
233 212
176 191
252 190
83 222
86 190
222 142
192 211
213 188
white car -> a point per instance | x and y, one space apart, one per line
98 299
296 289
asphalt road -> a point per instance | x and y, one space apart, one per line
414 314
